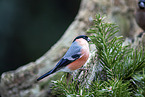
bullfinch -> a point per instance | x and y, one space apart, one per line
75 57
140 14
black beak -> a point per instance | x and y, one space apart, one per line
88 39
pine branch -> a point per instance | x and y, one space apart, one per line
120 64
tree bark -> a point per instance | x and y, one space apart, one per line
22 82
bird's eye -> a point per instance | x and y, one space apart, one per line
142 5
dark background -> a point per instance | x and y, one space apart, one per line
28 28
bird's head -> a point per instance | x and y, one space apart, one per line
141 4
84 37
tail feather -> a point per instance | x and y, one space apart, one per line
55 69
45 75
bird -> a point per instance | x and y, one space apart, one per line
76 56
140 14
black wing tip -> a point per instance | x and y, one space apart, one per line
43 76
38 79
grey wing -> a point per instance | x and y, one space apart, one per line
74 52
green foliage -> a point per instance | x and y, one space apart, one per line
139 81
69 88
114 57
122 65
112 88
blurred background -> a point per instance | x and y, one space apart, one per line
28 28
